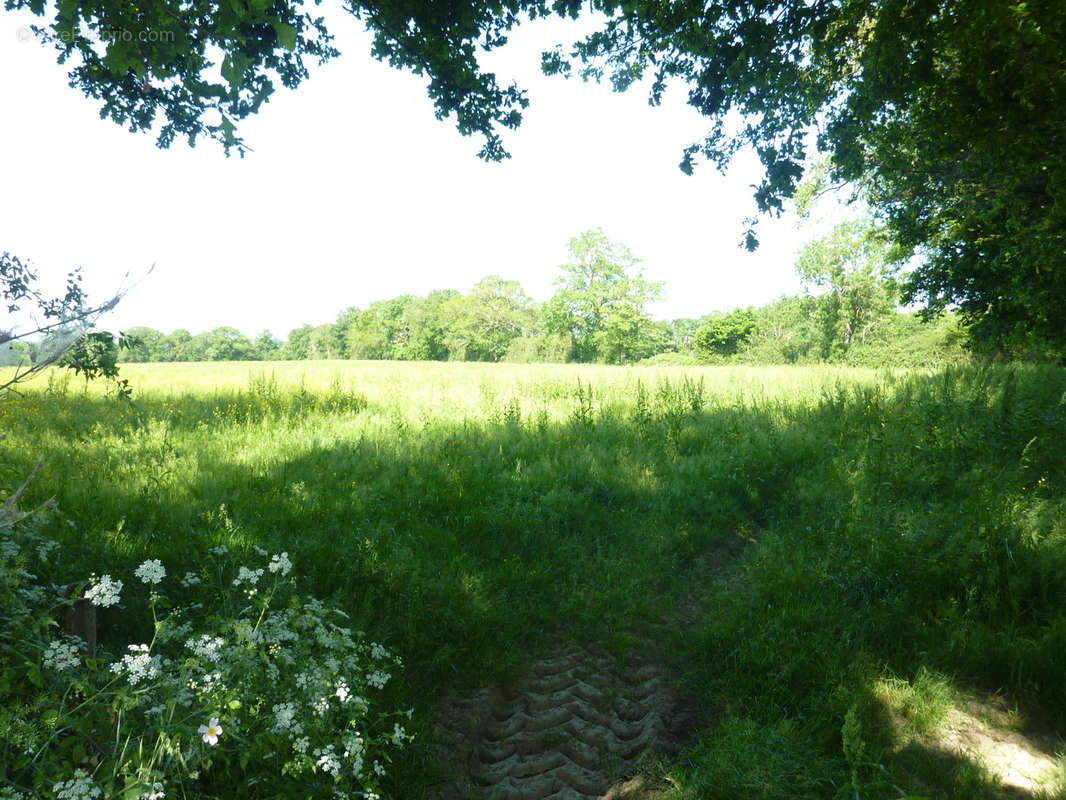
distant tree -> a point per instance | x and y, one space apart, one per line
419 333
176 346
601 301
323 343
855 265
298 345
341 329
786 332
724 335
267 348
482 324
380 332
539 348
680 333
143 345
225 344
427 326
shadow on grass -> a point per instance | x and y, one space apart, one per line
915 524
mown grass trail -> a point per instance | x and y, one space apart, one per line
902 531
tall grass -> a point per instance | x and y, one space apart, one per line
901 524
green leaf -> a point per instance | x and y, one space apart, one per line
228 128
230 72
286 35
118 60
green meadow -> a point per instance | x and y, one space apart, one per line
827 561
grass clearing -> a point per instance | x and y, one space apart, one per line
907 534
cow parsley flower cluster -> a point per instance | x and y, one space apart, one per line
248 576
62 654
206 647
80 787
137 665
151 571
242 682
103 591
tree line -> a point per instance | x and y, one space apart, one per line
599 313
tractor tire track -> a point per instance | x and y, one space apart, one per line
568 730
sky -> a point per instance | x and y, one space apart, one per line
355 192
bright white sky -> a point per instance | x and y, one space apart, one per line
355 192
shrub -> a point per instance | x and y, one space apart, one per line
242 689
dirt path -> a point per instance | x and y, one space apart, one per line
569 730
578 723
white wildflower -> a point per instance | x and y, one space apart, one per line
300 745
378 652
8 548
156 793
259 550
378 768
280 563
138 665
284 716
327 761
211 731
190 579
220 550
151 571
342 692
321 706
103 592
399 735
207 647
172 631
60 655
354 746
378 679
249 576
80 787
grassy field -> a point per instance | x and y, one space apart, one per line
903 536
